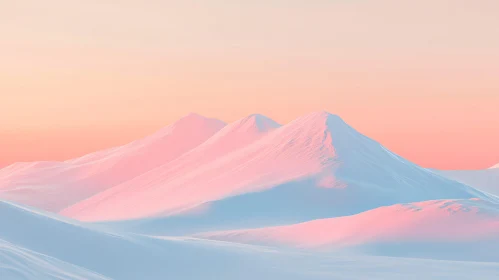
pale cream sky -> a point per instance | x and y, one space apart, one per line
421 77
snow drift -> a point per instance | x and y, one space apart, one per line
122 256
20 263
448 229
37 245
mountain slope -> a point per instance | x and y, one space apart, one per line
232 137
314 167
56 185
449 229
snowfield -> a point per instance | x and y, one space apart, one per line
38 245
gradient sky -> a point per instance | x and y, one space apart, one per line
421 77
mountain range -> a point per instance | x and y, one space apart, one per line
314 184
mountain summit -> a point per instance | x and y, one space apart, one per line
256 121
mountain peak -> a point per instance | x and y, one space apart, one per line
254 122
323 121
260 122
193 116
321 113
321 117
329 116
196 119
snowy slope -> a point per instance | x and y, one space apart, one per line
55 247
114 255
486 180
314 167
448 229
20 263
232 137
55 185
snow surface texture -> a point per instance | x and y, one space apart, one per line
312 199
51 243
20 263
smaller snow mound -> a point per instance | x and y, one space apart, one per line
468 228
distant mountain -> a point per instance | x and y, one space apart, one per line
56 185
314 167
446 229
486 180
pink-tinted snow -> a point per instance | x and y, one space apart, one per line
56 185
255 154
428 221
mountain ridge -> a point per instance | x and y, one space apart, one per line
318 154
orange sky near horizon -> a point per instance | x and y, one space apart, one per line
421 77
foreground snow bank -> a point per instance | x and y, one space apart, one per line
445 229
55 247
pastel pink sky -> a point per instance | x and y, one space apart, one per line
421 77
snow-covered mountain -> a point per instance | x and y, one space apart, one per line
56 185
314 183
314 167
